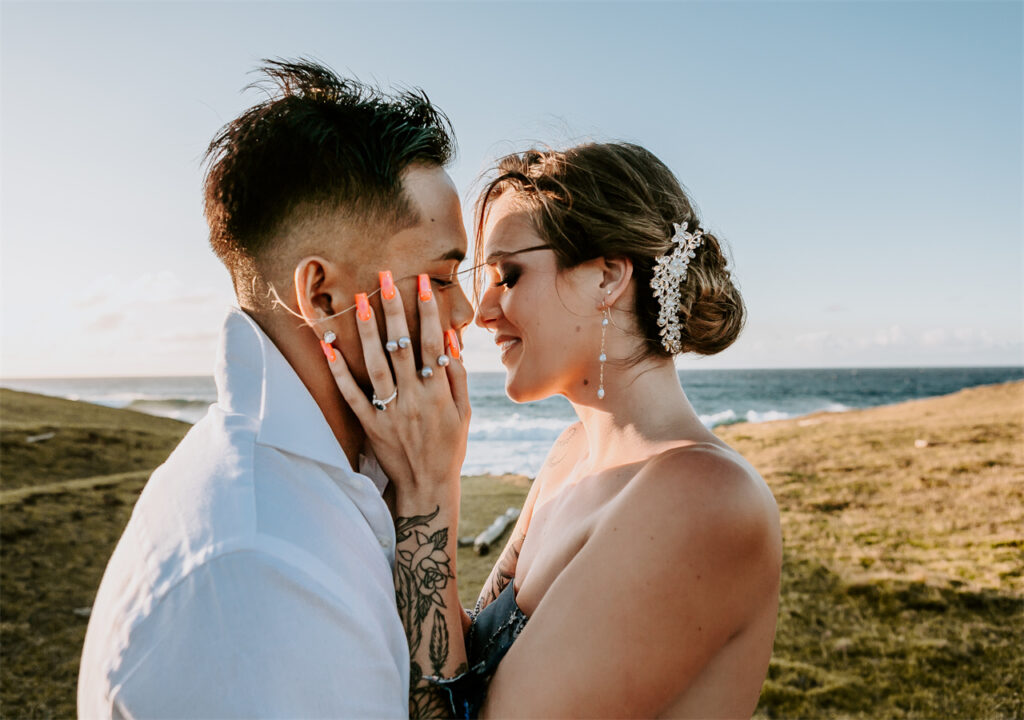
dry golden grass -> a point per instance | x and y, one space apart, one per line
902 589
857 494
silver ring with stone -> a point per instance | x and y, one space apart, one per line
404 342
443 360
383 404
391 346
426 372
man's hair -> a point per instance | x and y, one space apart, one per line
318 141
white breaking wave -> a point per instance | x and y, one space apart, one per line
523 458
720 418
730 416
516 427
753 416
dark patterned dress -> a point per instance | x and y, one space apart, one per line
490 636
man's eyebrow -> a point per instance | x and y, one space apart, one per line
453 254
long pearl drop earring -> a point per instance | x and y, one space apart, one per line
602 357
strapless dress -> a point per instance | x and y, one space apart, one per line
490 636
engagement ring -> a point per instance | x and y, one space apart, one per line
383 404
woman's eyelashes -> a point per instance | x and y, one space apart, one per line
509 278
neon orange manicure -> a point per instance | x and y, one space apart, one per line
425 292
328 351
387 285
362 307
453 343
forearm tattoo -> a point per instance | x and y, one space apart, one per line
422 574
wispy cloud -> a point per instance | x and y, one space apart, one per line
107 322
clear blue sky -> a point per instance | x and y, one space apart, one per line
863 160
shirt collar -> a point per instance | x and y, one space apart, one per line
254 379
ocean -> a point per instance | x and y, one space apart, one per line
508 438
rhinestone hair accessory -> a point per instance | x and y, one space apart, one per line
669 274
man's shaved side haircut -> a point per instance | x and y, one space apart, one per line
318 142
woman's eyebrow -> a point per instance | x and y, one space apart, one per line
499 254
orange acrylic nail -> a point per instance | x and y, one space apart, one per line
425 292
328 351
362 307
387 285
453 344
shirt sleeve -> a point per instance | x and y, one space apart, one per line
249 634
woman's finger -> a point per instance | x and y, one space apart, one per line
373 349
431 335
457 375
349 388
398 344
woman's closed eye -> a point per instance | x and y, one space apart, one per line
510 277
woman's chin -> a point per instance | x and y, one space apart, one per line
521 391
514 392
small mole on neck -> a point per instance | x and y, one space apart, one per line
585 381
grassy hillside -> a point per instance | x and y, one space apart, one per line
87 440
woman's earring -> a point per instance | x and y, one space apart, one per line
602 357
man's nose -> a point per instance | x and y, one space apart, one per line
462 309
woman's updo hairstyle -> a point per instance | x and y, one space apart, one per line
619 200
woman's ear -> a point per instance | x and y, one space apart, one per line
615 276
313 289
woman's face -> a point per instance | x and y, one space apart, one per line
546 322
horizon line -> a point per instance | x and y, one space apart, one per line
1020 366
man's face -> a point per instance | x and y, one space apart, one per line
435 246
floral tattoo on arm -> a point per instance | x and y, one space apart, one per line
422 574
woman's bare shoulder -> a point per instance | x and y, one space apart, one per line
704 495
702 469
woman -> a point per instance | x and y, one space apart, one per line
642 577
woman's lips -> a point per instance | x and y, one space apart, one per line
506 344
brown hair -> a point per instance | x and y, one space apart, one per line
619 200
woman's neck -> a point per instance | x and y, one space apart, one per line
644 408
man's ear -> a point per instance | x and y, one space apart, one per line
315 290
615 276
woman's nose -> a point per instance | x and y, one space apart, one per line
487 310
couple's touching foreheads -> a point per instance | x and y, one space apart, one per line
294 557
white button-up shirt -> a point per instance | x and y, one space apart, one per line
254 578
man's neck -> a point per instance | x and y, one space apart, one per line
302 351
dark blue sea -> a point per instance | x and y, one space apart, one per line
505 437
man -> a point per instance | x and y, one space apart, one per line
254 578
